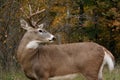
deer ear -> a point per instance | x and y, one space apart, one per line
41 26
24 24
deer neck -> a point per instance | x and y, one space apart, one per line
23 45
29 41
25 40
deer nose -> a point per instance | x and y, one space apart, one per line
53 38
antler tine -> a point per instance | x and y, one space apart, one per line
30 9
24 12
37 22
29 17
38 12
33 14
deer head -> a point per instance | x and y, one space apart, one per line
35 32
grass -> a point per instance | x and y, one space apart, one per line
12 76
115 75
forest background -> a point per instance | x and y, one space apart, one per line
70 20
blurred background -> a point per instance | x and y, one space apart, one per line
69 20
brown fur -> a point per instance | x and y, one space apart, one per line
54 60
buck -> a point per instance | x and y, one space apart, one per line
41 62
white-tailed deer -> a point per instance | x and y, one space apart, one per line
41 62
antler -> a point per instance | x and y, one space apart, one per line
29 17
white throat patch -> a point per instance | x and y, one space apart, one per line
33 44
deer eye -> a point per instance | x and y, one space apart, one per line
40 31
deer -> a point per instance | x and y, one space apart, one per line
41 60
